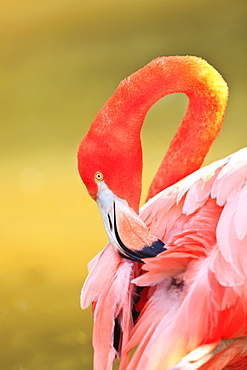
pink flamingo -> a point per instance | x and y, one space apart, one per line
176 290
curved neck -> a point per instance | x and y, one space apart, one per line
125 111
191 143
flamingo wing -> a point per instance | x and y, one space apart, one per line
199 284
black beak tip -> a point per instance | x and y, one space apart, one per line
146 252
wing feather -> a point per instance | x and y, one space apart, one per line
203 222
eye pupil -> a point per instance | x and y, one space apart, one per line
98 176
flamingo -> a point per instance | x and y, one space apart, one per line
171 283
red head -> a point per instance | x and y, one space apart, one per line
115 153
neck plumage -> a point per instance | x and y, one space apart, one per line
125 111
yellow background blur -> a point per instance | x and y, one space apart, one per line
59 62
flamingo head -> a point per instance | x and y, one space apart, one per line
111 170
114 158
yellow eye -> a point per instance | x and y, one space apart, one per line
98 176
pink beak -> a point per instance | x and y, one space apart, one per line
126 231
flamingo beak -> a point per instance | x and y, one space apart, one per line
127 233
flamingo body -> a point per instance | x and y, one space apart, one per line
208 302
186 307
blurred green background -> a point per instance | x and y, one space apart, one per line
60 60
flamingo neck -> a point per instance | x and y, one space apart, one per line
122 117
191 143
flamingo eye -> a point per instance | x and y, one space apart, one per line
98 176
